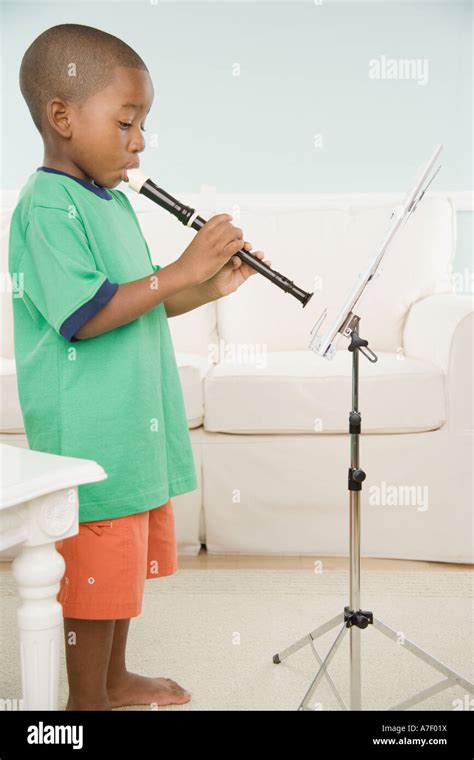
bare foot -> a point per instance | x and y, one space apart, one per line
90 705
134 689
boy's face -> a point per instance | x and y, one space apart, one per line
106 132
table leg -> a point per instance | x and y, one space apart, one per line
38 571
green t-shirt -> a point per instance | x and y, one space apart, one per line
115 398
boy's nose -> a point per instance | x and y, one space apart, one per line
137 144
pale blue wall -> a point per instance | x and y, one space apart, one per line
303 71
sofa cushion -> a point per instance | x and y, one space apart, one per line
11 420
324 250
8 200
193 368
299 392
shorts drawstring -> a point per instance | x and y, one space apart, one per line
97 527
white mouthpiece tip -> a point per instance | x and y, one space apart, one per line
136 179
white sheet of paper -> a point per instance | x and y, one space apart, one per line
322 343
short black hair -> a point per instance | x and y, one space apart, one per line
71 61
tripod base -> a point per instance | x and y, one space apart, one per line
451 678
354 618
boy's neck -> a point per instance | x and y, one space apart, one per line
64 164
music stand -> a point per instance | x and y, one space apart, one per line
354 618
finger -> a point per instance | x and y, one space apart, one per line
232 247
234 233
255 271
218 219
260 255
230 240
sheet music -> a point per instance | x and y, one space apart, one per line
322 343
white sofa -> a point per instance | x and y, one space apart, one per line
268 418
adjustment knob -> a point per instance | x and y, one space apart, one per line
358 475
361 620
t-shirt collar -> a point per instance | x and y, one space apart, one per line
102 192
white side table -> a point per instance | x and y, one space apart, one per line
38 506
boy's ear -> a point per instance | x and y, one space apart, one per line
58 115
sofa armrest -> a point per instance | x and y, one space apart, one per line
440 330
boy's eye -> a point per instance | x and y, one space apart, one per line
125 125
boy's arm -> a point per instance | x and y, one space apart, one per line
132 299
189 298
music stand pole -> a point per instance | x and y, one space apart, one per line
354 536
353 617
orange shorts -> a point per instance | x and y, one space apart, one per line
108 561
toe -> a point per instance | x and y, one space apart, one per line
178 689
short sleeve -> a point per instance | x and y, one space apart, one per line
59 272
156 267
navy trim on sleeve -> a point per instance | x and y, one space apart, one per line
82 315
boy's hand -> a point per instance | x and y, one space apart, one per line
233 274
211 249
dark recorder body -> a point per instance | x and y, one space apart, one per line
190 218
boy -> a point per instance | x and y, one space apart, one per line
97 375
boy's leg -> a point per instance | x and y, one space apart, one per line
98 678
88 644
124 688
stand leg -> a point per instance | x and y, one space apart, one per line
452 678
309 638
331 683
322 670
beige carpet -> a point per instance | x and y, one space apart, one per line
215 632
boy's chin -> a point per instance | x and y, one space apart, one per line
115 184
110 183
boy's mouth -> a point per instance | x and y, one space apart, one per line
135 165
